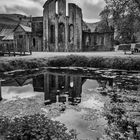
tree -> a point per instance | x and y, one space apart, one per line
138 3
104 25
105 15
124 14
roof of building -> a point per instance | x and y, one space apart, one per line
4 26
7 34
10 36
26 28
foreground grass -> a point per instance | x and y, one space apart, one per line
116 62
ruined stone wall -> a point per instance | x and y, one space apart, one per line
75 22
62 33
86 41
105 41
79 28
97 41
61 26
48 20
71 27
37 26
108 41
37 34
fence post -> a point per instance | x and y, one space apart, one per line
14 48
0 92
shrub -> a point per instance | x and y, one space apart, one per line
97 62
78 61
128 63
71 60
35 127
57 62
120 125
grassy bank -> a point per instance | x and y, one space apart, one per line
116 62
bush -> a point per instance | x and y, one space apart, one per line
71 60
35 127
128 63
57 62
120 125
78 61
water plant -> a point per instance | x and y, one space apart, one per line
120 125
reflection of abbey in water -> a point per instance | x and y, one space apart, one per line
59 87
65 88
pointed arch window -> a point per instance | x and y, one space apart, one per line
61 31
71 33
52 34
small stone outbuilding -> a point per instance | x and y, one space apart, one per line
7 40
23 39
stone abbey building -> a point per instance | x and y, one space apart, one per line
65 31
62 30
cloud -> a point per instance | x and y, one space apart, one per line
23 3
91 8
95 2
28 7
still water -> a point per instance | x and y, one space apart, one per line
84 89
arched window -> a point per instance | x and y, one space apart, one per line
87 40
52 34
61 33
71 33
95 40
102 40
33 42
56 7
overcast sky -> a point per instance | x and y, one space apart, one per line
91 8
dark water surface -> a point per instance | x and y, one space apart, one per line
87 89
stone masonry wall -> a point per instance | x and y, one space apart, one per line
97 41
62 33
37 34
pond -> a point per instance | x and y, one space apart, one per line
86 96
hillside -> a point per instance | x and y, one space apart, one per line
11 20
